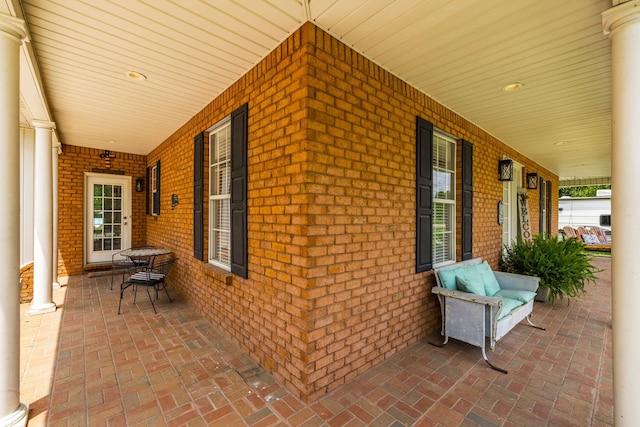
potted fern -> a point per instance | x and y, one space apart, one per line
563 266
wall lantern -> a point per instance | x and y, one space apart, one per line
140 185
532 181
505 169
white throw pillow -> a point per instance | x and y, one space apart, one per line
590 239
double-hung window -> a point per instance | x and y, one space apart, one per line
220 194
436 221
444 199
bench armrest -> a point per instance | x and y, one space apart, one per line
518 282
466 296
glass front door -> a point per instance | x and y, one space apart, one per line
108 212
510 206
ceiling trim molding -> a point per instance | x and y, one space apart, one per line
578 182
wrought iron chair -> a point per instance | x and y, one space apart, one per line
127 265
151 277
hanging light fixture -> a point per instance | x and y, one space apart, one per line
505 170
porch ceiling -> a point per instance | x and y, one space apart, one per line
462 53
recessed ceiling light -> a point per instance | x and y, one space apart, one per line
513 86
111 141
134 75
561 143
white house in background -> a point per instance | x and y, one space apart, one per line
586 211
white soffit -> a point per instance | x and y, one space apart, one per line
462 53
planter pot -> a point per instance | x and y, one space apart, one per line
542 294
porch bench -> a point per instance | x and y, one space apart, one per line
477 303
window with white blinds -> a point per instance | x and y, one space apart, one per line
220 194
444 200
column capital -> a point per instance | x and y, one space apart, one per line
620 16
43 124
13 26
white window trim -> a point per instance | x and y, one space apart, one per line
211 131
451 202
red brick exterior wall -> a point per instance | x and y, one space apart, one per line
332 288
72 164
26 283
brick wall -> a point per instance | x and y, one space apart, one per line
26 283
72 164
368 301
332 288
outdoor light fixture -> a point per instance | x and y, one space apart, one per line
134 75
532 181
505 169
512 86
140 185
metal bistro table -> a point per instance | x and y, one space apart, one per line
144 253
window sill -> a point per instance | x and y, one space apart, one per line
217 273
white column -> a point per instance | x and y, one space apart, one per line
12 31
55 150
622 23
43 221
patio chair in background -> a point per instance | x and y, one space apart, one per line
127 265
571 232
151 277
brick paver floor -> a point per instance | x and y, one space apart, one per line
85 365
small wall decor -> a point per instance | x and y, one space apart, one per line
174 201
532 181
500 213
505 170
107 156
139 185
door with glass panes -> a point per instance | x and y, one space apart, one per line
510 189
107 216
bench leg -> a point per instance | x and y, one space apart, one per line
533 324
442 344
484 356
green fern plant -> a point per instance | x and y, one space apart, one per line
563 265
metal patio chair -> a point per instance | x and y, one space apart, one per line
151 277
126 264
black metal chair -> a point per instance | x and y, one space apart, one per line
127 265
151 277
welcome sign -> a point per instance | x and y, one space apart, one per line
523 216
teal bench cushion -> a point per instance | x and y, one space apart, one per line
491 285
481 273
508 305
522 296
448 278
472 286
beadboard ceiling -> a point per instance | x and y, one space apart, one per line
460 52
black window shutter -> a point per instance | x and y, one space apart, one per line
156 195
545 216
198 196
424 195
467 200
541 204
549 216
148 192
239 130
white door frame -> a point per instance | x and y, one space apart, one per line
89 179
510 201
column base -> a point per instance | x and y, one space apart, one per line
36 309
19 417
